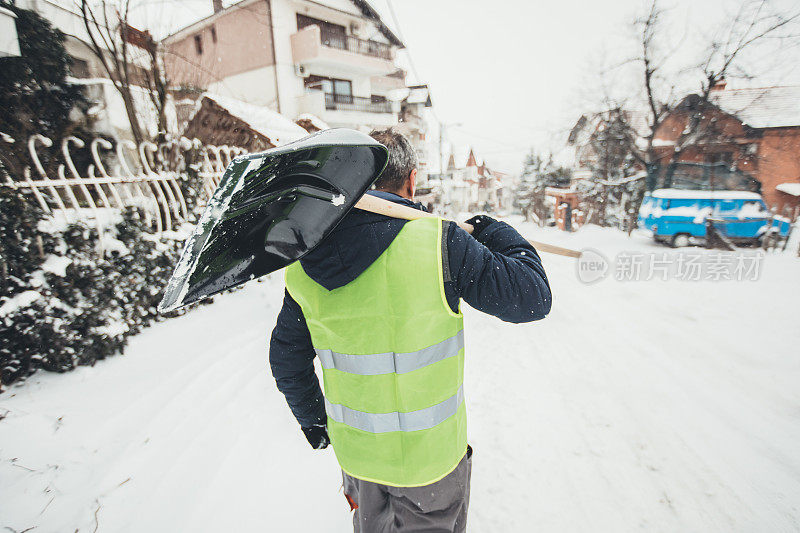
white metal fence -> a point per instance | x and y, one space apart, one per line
149 180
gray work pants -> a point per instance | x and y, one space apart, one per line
440 507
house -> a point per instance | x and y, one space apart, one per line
756 131
472 186
414 125
489 188
598 148
9 44
332 59
66 16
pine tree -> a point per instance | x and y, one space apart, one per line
537 175
34 94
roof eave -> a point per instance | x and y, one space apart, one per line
369 12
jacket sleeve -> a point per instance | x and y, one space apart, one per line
291 358
498 273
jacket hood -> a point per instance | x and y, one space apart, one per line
359 239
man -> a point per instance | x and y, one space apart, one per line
378 302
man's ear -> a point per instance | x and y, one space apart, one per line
412 183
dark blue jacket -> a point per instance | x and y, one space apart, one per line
498 273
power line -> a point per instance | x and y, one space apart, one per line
402 38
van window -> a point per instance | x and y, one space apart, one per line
727 206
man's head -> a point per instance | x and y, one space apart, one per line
400 174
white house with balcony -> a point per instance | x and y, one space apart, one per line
9 44
333 59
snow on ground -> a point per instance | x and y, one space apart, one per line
654 405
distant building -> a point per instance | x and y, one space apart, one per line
414 125
473 186
331 59
757 131
592 150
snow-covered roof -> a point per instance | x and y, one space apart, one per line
560 191
711 195
418 94
586 126
472 161
314 120
274 126
789 188
766 107
460 156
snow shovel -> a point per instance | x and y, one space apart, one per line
273 207
391 209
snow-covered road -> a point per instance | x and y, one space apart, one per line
652 405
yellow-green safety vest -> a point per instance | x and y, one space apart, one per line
392 356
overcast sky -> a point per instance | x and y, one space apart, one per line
517 73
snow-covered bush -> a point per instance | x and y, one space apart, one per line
63 302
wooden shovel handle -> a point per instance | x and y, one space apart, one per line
373 204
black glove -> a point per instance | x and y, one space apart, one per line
480 223
317 436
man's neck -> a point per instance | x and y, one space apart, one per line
401 194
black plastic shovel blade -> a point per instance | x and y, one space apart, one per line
272 208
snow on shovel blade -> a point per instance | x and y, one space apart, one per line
271 208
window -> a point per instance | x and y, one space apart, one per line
79 68
378 98
726 206
720 157
333 35
336 91
342 89
303 21
213 34
198 44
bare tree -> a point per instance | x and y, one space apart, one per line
752 25
755 24
106 26
158 83
154 75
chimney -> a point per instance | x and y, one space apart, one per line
720 86
217 5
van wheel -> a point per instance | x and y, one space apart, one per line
680 240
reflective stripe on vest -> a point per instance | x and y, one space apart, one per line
396 421
392 356
388 362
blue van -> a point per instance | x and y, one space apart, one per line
678 216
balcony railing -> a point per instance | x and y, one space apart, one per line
333 39
344 102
